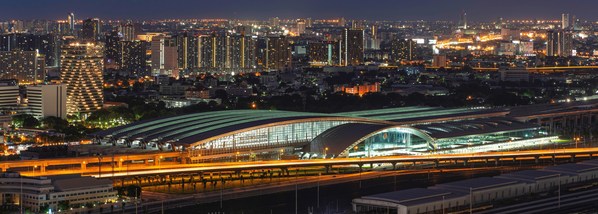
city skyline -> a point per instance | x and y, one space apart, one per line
263 9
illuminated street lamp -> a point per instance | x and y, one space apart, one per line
160 162
325 151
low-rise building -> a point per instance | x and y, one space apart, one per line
36 193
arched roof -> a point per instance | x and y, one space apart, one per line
341 139
193 128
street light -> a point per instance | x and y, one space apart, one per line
160 162
325 152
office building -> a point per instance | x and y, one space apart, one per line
127 31
352 52
54 192
27 67
90 30
81 70
71 23
565 21
9 95
559 43
47 100
164 58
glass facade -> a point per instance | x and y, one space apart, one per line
268 138
401 141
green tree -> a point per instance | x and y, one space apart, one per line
25 121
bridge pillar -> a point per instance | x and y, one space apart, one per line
394 165
496 161
514 159
537 159
465 162
4 167
436 163
84 165
360 167
120 163
590 155
572 158
42 167
553 158
328 168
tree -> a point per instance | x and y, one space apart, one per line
25 121
63 205
133 191
55 123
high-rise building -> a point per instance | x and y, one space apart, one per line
401 49
112 48
27 67
47 100
274 22
565 21
188 51
133 57
9 95
242 51
559 43
301 25
127 31
226 51
463 21
164 56
90 30
81 70
324 53
352 52
278 53
71 22
46 45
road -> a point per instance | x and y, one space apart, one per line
235 166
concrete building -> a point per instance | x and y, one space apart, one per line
514 75
81 71
27 67
559 43
352 51
47 100
34 193
278 53
456 196
164 56
9 95
439 61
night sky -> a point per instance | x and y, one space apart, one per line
263 9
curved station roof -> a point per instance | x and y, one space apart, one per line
192 128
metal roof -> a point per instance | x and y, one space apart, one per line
473 127
193 128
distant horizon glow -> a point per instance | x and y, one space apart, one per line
390 10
